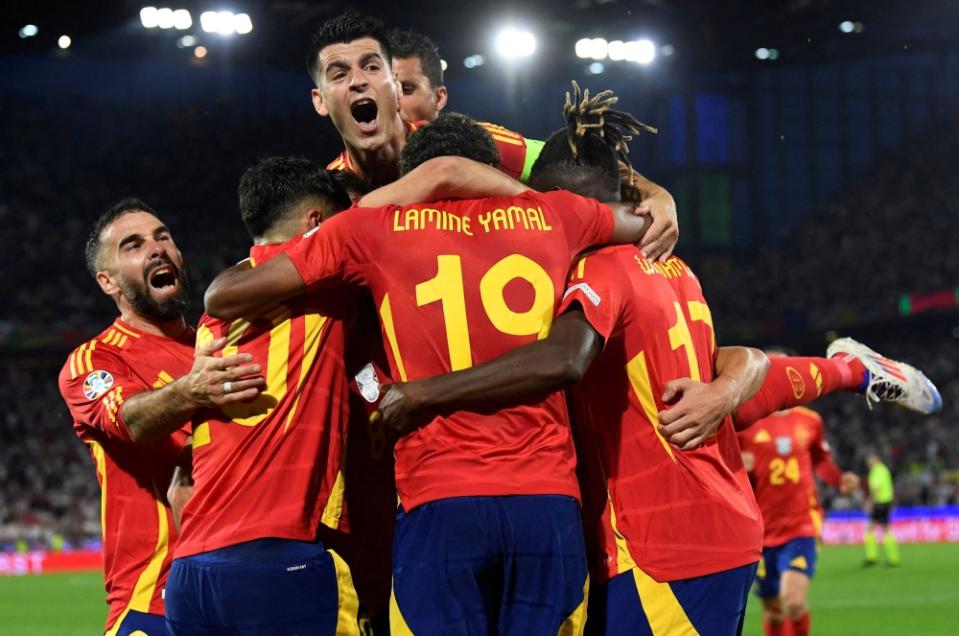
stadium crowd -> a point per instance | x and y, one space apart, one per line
60 175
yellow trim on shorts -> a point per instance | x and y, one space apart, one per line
348 604
398 626
663 610
575 623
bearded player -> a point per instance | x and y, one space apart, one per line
350 63
131 392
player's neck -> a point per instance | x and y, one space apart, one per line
381 165
173 328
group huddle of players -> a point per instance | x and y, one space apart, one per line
432 402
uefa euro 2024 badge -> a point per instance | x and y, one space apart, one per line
96 384
368 383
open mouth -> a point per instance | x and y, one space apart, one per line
364 113
163 278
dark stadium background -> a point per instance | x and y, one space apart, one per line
818 192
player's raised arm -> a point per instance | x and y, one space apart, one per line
444 178
525 374
701 407
245 291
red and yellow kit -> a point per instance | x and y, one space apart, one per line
273 467
138 529
787 447
456 283
517 154
674 514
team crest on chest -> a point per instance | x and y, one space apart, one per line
96 384
784 445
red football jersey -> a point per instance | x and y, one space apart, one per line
786 447
457 283
512 148
138 529
273 467
674 514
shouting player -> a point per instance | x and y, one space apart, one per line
419 72
674 537
268 473
350 64
488 533
131 392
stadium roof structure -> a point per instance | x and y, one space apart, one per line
697 34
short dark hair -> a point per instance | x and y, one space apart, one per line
585 155
345 28
450 134
270 190
405 43
123 207
355 185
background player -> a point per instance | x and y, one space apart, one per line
488 535
131 392
349 63
419 71
881 495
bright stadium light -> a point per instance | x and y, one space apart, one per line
645 52
64 42
28 31
209 21
762 53
617 50
599 48
515 43
149 17
199 52
165 19
584 48
474 60
595 68
242 23
182 20
846 26
226 23
186 41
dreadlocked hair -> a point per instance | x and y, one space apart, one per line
587 155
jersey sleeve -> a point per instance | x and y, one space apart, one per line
95 384
587 222
337 252
597 285
826 469
517 154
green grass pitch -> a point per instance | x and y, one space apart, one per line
920 598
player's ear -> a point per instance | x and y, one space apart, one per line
107 283
313 218
441 97
318 103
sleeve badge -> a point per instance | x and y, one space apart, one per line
96 384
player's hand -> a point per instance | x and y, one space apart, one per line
661 237
216 381
848 483
400 408
699 411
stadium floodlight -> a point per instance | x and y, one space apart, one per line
762 53
474 60
28 31
645 52
515 43
846 26
165 19
584 48
226 23
242 23
149 17
209 21
599 49
186 41
64 42
199 52
182 20
617 50
773 54
595 68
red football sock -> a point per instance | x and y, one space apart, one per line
801 625
797 381
782 629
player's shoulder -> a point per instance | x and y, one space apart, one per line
108 349
605 260
338 163
503 134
